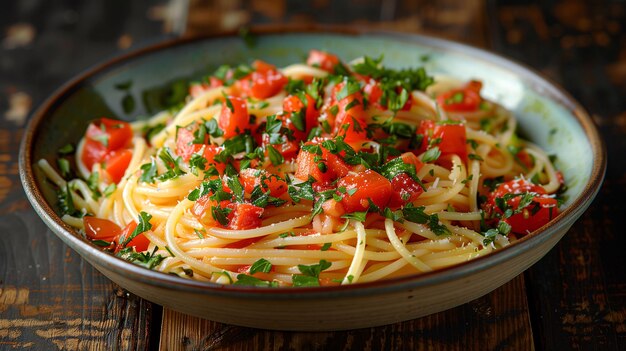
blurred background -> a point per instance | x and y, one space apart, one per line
581 44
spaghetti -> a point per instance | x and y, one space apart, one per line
314 174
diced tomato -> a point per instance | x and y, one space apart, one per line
449 138
374 93
405 190
350 118
466 99
93 152
323 60
210 151
266 81
250 178
101 229
140 242
307 166
354 131
184 144
245 216
539 212
185 148
116 163
327 168
103 136
346 105
293 104
370 186
112 133
234 121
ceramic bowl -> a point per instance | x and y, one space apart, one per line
547 114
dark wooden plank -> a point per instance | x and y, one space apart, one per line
577 292
49 297
497 321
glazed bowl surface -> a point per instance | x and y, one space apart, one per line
547 115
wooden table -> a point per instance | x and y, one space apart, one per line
574 298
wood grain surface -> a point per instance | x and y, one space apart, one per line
574 298
499 320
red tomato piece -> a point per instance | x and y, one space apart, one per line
374 93
323 60
234 118
103 136
449 138
93 152
210 151
327 167
539 212
266 81
250 178
184 144
116 163
111 133
466 99
101 229
140 242
370 186
245 216
350 118
405 190
354 131
293 104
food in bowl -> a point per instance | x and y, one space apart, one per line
319 173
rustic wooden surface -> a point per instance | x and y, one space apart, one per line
574 298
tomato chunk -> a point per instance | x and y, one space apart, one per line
324 168
103 136
140 242
292 104
101 229
250 178
369 185
185 146
405 190
323 60
466 99
537 212
266 81
245 216
116 163
451 139
93 152
111 133
234 117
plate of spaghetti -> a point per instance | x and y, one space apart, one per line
311 171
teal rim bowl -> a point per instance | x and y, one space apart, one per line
546 113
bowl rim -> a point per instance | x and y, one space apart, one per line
106 260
